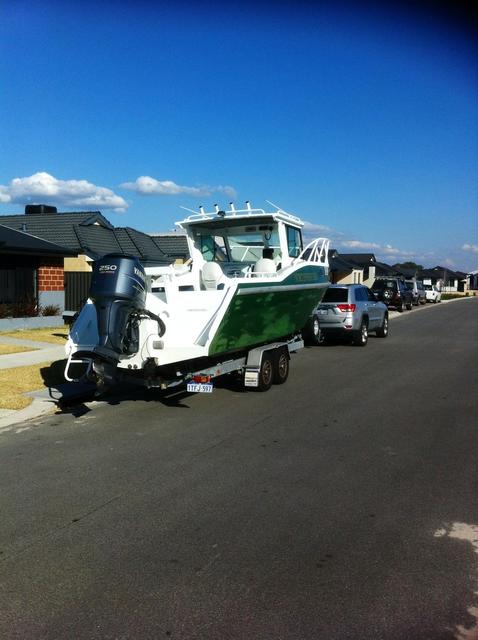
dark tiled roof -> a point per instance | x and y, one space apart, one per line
146 246
440 273
56 227
174 244
383 269
125 241
362 259
337 263
13 241
444 271
89 232
97 241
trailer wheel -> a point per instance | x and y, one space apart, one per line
266 372
281 367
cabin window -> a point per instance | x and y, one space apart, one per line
213 248
249 247
294 241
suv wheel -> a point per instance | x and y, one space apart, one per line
409 305
312 334
400 306
360 337
383 331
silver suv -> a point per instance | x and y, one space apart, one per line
350 311
418 291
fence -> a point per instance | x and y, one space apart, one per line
77 286
17 285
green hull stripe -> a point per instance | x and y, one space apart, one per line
261 313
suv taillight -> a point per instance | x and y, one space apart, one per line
346 307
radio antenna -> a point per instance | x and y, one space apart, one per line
187 209
275 206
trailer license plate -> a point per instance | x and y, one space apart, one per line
200 387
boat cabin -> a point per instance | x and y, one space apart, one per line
224 246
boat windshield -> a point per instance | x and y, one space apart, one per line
213 248
249 247
239 246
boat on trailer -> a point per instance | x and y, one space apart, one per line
250 282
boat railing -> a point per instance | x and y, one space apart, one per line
315 251
232 212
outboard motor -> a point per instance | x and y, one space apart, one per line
118 290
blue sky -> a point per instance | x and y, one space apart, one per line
363 122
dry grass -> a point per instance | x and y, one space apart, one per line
5 349
15 382
55 335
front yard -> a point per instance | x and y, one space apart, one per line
17 381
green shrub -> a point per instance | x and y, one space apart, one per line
25 309
450 296
50 310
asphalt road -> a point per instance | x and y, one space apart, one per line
342 505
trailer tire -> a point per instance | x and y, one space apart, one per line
266 372
281 366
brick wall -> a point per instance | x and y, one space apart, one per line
51 275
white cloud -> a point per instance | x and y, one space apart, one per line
310 228
470 247
448 262
391 253
148 186
389 250
45 188
358 244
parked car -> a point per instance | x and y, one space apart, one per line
433 293
393 293
422 294
350 311
418 291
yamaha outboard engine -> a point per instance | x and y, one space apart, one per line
118 290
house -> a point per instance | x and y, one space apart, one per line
365 261
371 267
343 272
31 271
87 235
445 279
472 280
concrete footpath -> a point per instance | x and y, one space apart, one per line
43 352
45 400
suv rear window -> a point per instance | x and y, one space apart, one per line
336 295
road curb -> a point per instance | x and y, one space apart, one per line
37 408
